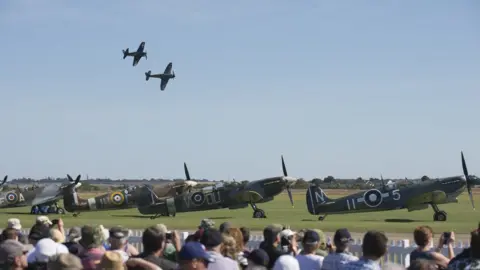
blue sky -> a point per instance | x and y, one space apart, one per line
343 88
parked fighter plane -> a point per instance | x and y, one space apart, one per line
137 55
123 199
35 196
235 197
164 77
413 197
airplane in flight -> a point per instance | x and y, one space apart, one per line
413 197
137 55
35 196
121 199
231 197
164 77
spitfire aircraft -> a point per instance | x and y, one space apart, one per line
413 197
164 77
122 199
35 196
137 55
235 197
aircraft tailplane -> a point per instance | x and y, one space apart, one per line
316 196
125 53
147 75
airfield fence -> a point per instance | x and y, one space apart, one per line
398 250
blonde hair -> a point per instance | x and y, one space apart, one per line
238 236
57 236
229 247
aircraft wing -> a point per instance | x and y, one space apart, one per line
436 196
163 84
168 69
247 196
49 194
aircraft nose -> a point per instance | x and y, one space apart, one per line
78 185
191 183
290 180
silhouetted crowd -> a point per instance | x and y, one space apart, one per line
48 246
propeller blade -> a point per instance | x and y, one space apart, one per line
289 191
78 179
187 174
284 167
5 178
467 179
69 178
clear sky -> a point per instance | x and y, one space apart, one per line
342 88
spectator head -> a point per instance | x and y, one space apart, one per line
14 223
111 260
286 262
198 234
153 239
271 235
206 224
246 235
224 227
10 233
92 237
342 239
257 258
238 236
12 253
190 238
37 233
45 249
118 237
475 244
310 241
229 247
74 234
43 221
64 261
422 235
212 239
374 245
57 236
422 264
193 256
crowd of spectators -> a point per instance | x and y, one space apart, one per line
48 246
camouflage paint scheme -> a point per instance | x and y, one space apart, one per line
137 55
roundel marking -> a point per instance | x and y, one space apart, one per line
117 198
373 198
11 197
198 198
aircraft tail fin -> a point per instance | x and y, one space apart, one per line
125 53
147 75
315 196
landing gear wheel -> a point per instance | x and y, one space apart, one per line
75 215
60 211
440 216
259 213
321 218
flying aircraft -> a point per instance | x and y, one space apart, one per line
231 197
164 77
412 197
122 199
137 55
36 196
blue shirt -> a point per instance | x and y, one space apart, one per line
362 264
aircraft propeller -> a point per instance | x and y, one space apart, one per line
75 182
188 181
468 180
4 180
288 181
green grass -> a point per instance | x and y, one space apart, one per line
461 217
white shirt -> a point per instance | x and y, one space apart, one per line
310 261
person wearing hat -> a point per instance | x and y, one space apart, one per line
224 227
91 242
206 224
14 223
271 240
336 260
212 239
257 260
308 259
192 256
13 255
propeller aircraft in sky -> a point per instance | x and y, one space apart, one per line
164 77
231 197
121 199
137 55
412 197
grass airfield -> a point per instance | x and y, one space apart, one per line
461 217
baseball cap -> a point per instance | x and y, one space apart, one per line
287 233
46 248
43 220
342 236
10 249
194 250
259 257
14 223
118 232
211 238
311 237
